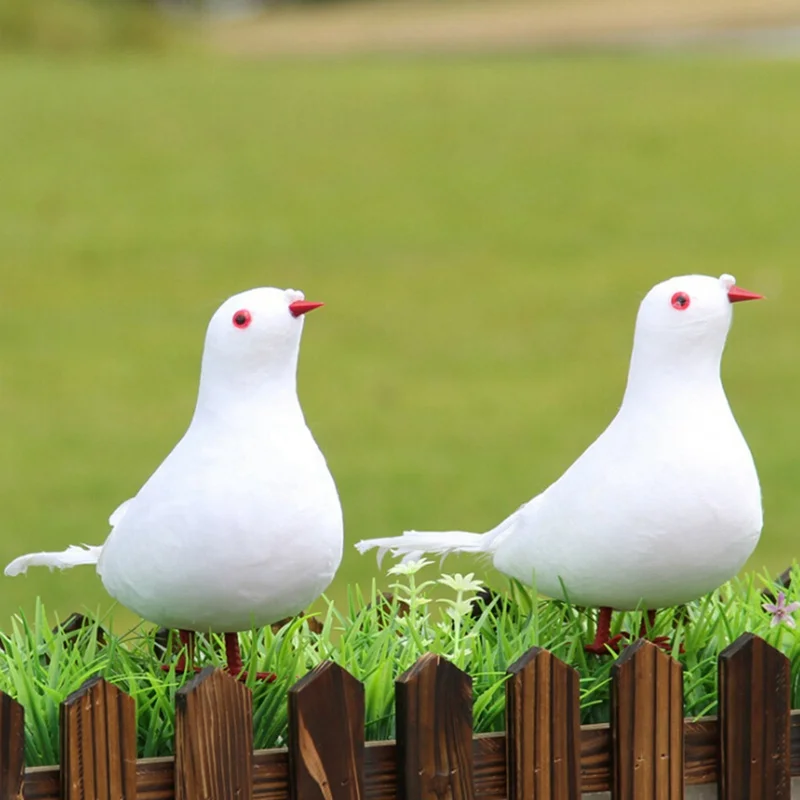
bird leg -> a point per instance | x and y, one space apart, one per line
187 642
648 624
233 654
234 657
659 641
602 640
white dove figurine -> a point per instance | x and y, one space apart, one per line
665 506
241 525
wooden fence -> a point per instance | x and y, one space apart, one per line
647 752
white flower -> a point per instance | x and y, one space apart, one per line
458 609
461 583
409 567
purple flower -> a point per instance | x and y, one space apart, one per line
781 611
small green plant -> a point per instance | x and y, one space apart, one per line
376 638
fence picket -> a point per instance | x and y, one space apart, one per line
326 735
12 748
647 725
543 729
434 731
98 743
754 721
214 738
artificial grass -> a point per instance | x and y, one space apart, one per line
377 639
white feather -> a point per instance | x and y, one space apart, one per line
413 544
73 556
119 513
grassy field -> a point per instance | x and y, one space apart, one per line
481 230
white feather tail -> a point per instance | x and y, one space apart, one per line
73 556
413 544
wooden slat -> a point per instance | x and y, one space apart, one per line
489 760
380 770
647 725
98 743
214 738
434 731
543 728
595 758
12 748
701 751
754 710
326 735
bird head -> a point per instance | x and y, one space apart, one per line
691 308
255 334
681 330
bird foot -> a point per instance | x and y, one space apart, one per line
614 645
665 643
267 677
179 668
603 648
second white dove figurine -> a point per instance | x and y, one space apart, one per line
241 525
665 505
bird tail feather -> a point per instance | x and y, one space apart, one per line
73 556
413 544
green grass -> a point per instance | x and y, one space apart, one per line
376 643
481 230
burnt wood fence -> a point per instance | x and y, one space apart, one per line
647 752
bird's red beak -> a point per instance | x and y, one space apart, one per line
737 295
300 307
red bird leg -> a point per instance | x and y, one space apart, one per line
234 657
187 642
649 624
603 640
659 641
233 654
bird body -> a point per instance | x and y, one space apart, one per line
241 524
612 536
665 505
204 548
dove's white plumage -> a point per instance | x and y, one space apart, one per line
665 505
241 524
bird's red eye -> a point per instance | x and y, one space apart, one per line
681 301
241 319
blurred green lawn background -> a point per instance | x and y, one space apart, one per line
481 230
